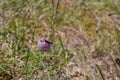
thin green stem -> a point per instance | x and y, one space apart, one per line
100 71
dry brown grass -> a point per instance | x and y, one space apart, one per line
86 36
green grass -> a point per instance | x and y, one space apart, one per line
85 35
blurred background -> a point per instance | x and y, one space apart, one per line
85 36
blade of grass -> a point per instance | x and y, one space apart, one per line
100 71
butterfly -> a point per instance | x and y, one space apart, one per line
45 45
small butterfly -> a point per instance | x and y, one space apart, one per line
45 45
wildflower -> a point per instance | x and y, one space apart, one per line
45 45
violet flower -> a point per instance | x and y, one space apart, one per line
45 45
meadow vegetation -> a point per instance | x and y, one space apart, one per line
85 36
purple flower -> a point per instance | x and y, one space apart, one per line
45 45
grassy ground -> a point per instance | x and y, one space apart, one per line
85 33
